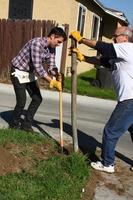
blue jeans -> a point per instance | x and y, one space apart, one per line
120 121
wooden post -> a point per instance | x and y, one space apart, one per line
61 115
74 96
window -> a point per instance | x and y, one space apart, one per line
20 9
81 19
95 27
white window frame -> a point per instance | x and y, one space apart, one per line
95 27
81 18
59 53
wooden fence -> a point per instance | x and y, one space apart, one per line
15 33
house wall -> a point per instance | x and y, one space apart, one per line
62 11
4 4
91 9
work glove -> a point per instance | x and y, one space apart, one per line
76 35
80 56
56 84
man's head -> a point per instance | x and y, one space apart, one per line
123 34
56 36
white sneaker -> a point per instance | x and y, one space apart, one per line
131 168
99 166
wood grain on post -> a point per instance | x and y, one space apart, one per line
74 96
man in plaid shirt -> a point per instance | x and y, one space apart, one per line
25 66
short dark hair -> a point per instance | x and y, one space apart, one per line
58 32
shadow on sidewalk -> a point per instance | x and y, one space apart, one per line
87 144
7 116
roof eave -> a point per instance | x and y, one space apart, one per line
116 16
111 13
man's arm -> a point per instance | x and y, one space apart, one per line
103 48
101 61
106 49
89 43
36 56
92 60
96 60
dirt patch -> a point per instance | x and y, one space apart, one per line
120 183
15 158
94 180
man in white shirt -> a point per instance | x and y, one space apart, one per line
119 58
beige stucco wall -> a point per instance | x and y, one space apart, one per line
4 5
62 11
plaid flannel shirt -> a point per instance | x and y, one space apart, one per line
33 55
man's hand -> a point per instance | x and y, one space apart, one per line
56 84
60 77
54 72
80 56
76 35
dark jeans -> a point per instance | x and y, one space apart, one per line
120 121
20 90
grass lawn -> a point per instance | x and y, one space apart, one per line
84 86
33 169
